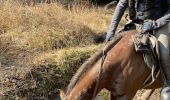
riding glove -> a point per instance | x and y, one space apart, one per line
109 36
148 25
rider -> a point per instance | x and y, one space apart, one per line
154 15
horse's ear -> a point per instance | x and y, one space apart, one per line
62 94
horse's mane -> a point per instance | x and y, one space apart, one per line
91 61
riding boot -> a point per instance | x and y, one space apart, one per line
165 93
162 35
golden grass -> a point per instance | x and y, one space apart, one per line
33 29
40 26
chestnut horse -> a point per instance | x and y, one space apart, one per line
124 72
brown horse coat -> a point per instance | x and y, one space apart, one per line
123 73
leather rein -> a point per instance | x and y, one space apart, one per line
100 74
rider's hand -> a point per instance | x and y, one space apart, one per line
109 36
148 25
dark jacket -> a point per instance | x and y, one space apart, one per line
158 10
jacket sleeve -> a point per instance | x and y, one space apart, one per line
163 20
132 9
119 11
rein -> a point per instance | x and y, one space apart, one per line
100 73
102 62
104 54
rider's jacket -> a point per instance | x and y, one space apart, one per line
149 9
158 10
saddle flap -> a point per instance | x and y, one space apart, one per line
153 41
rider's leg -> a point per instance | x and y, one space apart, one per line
163 38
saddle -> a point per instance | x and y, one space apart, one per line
147 44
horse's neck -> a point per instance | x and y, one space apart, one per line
85 87
116 57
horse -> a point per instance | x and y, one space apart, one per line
124 72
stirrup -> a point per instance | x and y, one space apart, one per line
143 48
141 42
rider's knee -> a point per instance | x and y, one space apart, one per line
165 93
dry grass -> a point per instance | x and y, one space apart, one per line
50 71
47 27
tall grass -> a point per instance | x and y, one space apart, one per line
46 22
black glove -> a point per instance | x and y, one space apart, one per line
109 36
